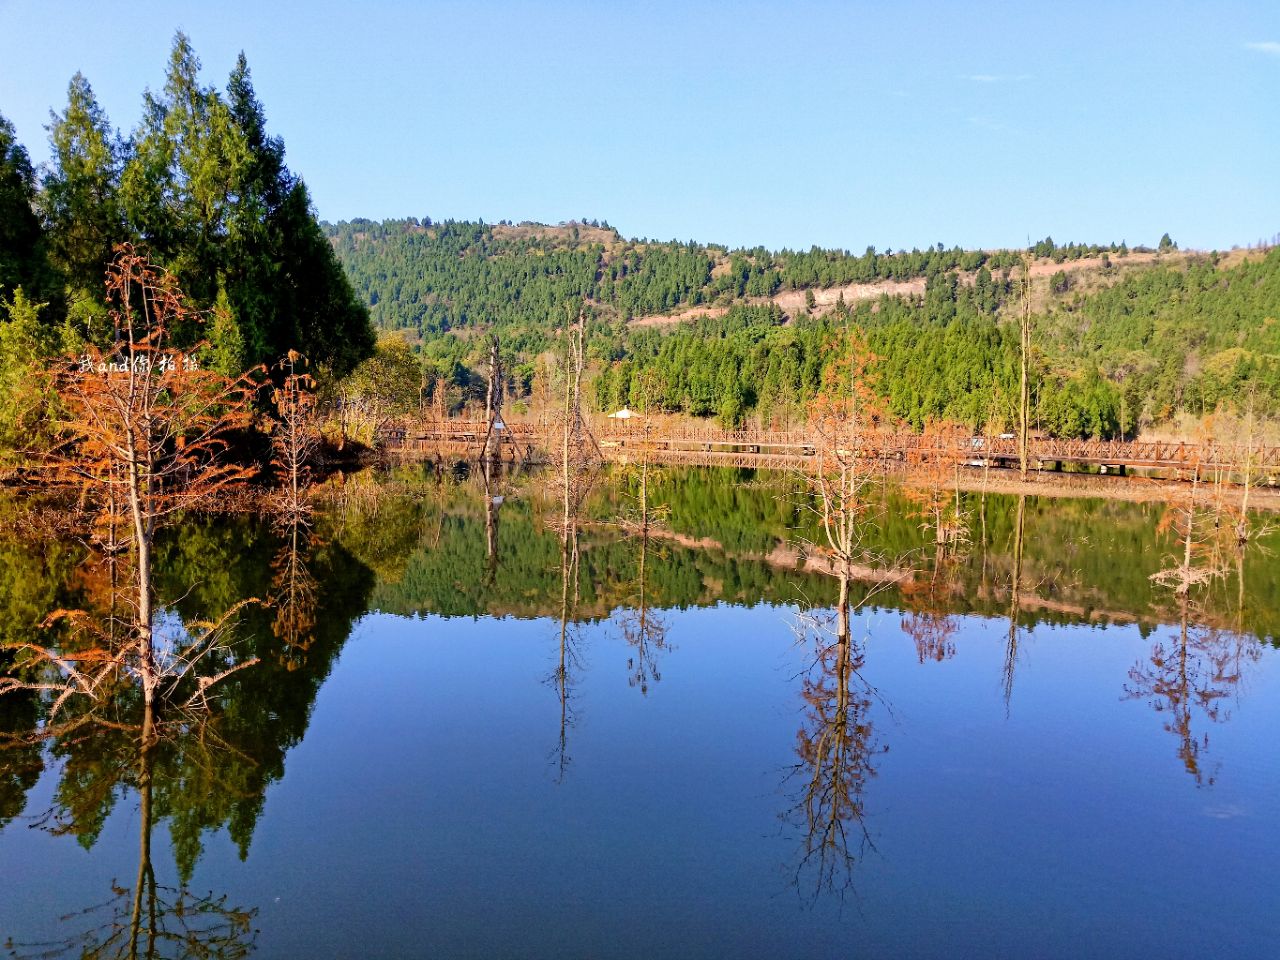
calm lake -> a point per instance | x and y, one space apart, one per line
467 737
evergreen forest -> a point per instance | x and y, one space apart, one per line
202 188
1124 339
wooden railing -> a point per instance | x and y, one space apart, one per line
766 447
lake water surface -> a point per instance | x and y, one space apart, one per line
465 738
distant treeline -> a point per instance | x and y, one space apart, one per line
433 277
1125 351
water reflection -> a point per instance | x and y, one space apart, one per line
836 749
293 593
1190 680
1191 676
200 764
571 483
643 628
568 659
149 919
482 543
22 759
1015 606
492 501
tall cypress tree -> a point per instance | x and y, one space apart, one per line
283 279
178 184
23 260
204 187
80 200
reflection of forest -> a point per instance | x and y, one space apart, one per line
727 535
198 771
149 919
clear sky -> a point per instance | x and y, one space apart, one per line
785 124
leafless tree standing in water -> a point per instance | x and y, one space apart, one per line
835 745
572 480
145 436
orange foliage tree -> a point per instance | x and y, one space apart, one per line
144 434
295 437
844 416
934 487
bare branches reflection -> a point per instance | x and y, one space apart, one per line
836 751
643 628
148 919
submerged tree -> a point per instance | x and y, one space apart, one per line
573 439
572 480
841 480
835 745
145 435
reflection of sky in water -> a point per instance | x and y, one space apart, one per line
421 815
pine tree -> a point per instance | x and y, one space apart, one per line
22 248
81 201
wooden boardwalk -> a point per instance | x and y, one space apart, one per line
796 449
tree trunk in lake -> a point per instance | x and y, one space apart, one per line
138 486
146 880
1015 604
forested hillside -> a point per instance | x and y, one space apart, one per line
1125 341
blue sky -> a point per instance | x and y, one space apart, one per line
785 124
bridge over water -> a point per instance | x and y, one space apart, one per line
798 448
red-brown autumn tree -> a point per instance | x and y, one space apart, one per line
144 434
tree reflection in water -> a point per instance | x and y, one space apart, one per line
293 593
569 659
201 768
1195 675
925 601
1015 606
104 754
492 501
836 749
573 483
22 762
643 629
1198 672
